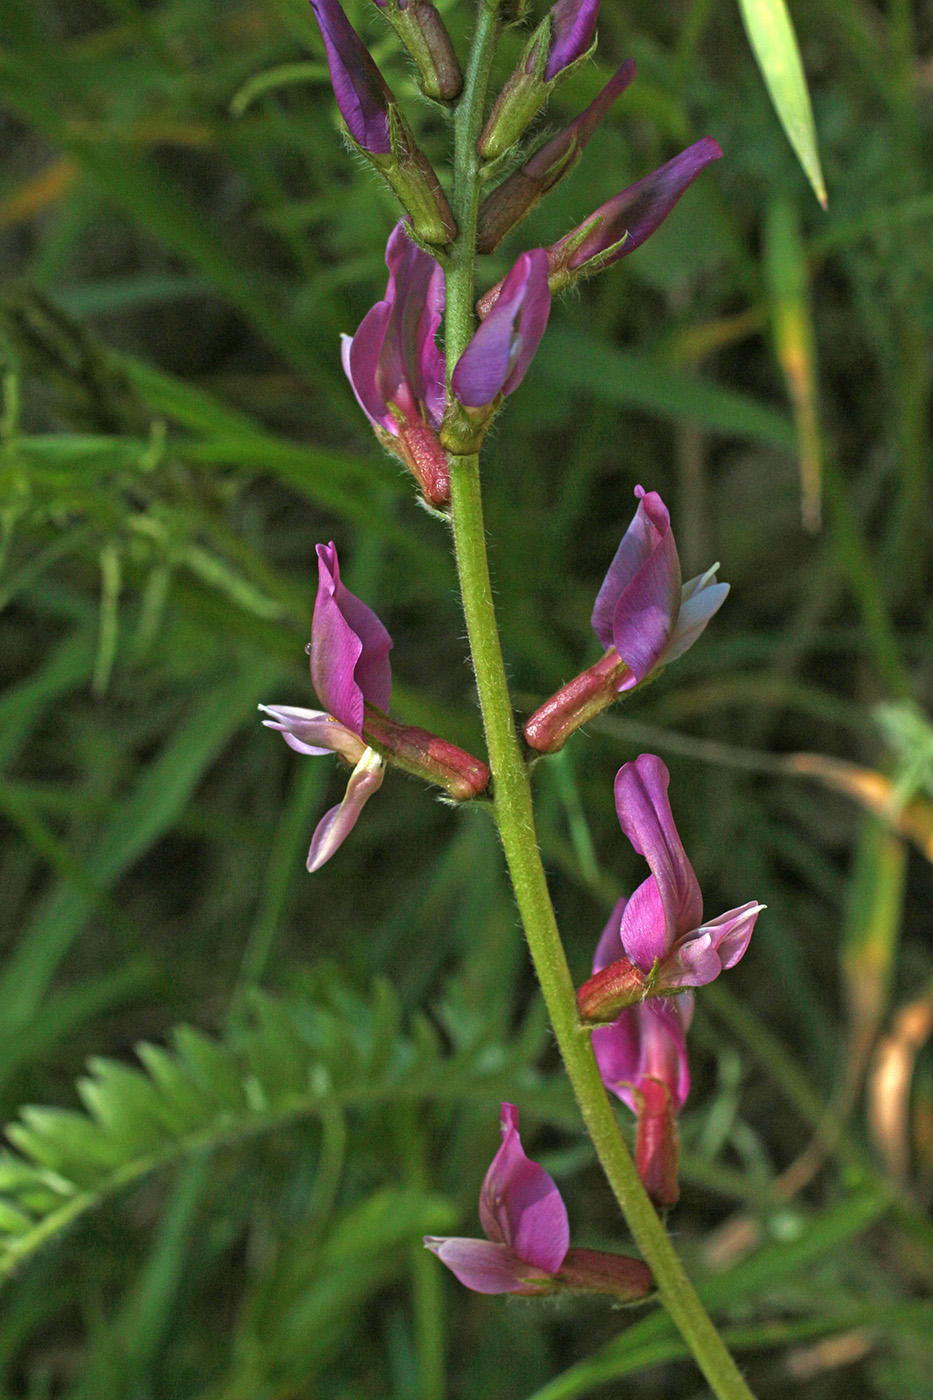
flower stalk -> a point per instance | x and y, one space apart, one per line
513 803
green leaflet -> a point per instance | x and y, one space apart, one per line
304 1057
774 44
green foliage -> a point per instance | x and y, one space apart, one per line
299 1058
771 35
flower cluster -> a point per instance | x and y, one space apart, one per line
657 947
420 408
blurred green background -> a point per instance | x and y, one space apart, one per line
183 238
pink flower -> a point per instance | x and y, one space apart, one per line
349 667
642 609
526 1249
644 616
395 368
655 942
663 921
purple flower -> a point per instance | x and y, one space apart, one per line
573 23
395 368
349 667
643 616
642 609
623 223
498 356
526 1249
359 87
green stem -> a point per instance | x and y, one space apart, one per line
515 818
513 804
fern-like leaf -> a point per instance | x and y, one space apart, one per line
298 1057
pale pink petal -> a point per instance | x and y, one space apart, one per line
719 944
313 732
335 826
697 607
486 1267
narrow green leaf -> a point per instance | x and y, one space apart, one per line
774 44
638 381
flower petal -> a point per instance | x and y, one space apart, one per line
645 816
700 957
502 348
360 358
646 612
416 292
643 932
520 1205
573 23
313 732
335 826
609 947
634 214
349 648
486 1267
647 1041
696 608
649 524
359 87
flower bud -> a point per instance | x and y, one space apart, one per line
518 194
425 755
623 223
377 128
422 31
561 42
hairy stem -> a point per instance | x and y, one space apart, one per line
513 804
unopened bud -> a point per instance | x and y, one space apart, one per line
425 755
422 31
518 194
562 41
580 700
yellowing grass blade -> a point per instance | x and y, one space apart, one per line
774 44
